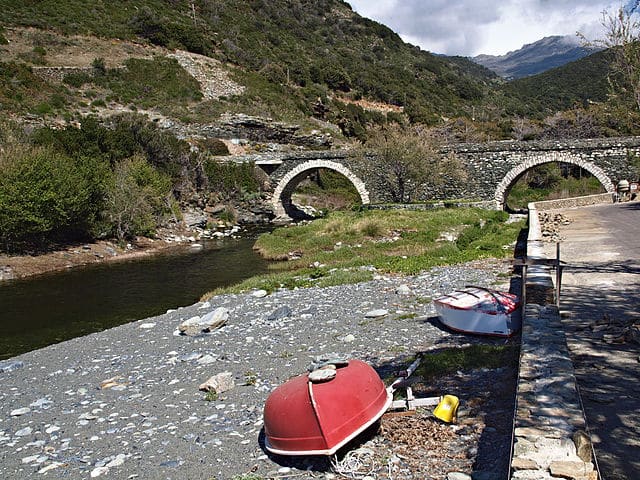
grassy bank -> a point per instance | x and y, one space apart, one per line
340 248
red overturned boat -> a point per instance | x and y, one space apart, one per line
319 412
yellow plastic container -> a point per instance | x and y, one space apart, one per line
447 408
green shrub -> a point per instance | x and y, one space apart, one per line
99 67
43 108
231 178
159 82
137 198
46 196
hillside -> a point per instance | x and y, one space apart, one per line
293 60
161 89
577 83
535 58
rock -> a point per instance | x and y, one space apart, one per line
583 445
403 290
96 472
20 411
520 463
571 470
10 366
6 273
43 403
633 334
206 360
207 323
376 313
215 319
259 293
348 338
195 219
219 383
458 476
147 326
51 466
116 462
279 313
188 357
23 432
110 383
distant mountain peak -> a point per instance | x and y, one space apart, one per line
533 58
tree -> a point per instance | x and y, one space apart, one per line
138 198
46 196
622 36
407 159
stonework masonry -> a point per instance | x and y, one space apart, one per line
550 435
492 168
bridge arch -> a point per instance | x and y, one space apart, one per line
500 195
281 200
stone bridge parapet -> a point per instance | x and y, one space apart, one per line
492 168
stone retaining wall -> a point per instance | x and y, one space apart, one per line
549 426
574 202
57 74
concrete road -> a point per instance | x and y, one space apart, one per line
600 299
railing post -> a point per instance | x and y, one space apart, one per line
524 286
558 275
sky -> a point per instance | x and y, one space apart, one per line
473 27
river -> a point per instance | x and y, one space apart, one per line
39 311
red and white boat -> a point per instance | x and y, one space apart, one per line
319 412
481 311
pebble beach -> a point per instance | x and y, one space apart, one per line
126 403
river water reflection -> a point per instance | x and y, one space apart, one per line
50 308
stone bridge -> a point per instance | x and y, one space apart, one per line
491 168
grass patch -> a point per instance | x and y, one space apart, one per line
310 277
467 358
347 244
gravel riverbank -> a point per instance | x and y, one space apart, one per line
125 403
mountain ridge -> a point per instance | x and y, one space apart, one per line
534 58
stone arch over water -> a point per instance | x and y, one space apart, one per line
281 200
551 157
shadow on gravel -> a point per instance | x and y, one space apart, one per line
317 463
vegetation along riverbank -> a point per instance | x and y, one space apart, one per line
346 247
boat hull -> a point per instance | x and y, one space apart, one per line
480 311
303 417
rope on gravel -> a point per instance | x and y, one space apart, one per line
356 464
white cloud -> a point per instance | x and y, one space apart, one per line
471 27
